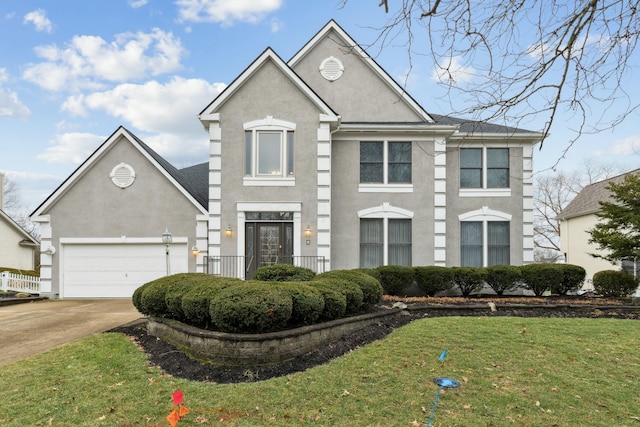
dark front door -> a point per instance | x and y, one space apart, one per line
267 243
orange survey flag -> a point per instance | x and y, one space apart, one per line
183 411
173 418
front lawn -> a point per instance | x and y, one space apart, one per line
513 371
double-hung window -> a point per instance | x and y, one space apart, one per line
385 236
269 152
484 168
484 243
385 164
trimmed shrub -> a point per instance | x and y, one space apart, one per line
614 284
152 295
283 273
350 290
371 289
308 302
503 278
571 278
469 279
195 302
178 285
433 279
373 272
396 278
251 308
335 302
136 298
539 278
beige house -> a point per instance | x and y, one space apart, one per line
575 222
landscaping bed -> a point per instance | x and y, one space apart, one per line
178 364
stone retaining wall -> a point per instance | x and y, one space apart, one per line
254 350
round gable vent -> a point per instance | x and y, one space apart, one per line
331 68
123 175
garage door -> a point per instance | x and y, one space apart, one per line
115 270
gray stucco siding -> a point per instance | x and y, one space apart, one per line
359 95
268 93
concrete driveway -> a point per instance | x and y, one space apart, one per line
31 328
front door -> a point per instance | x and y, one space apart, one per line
267 243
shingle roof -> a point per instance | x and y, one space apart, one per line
588 200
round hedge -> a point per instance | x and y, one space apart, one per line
251 308
396 278
433 279
335 302
612 283
283 273
371 289
308 303
195 302
350 290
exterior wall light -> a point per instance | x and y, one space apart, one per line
195 251
229 231
307 231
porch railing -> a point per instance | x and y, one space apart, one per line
19 283
239 266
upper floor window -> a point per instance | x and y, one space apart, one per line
484 167
385 162
269 152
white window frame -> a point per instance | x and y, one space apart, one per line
485 215
385 186
385 212
269 125
484 191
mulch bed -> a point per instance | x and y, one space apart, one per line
176 363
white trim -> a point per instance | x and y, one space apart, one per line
254 181
269 123
485 192
118 240
385 210
385 188
484 214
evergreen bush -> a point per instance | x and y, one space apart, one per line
350 290
469 279
571 278
251 308
308 302
539 278
433 279
335 302
195 302
371 289
283 273
503 278
614 284
396 278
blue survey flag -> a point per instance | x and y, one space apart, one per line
443 355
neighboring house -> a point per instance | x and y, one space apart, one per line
17 247
575 222
322 161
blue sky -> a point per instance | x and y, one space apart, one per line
72 71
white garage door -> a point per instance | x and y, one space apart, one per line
115 270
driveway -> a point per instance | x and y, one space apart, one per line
31 328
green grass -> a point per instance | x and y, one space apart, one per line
514 372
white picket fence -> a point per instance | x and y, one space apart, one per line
19 283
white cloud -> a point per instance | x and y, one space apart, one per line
629 146
72 147
39 19
10 106
165 113
451 71
137 3
225 11
87 62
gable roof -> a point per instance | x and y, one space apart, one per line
267 55
178 178
357 49
28 239
587 201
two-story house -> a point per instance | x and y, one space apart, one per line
322 161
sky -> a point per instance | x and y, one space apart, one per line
73 71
